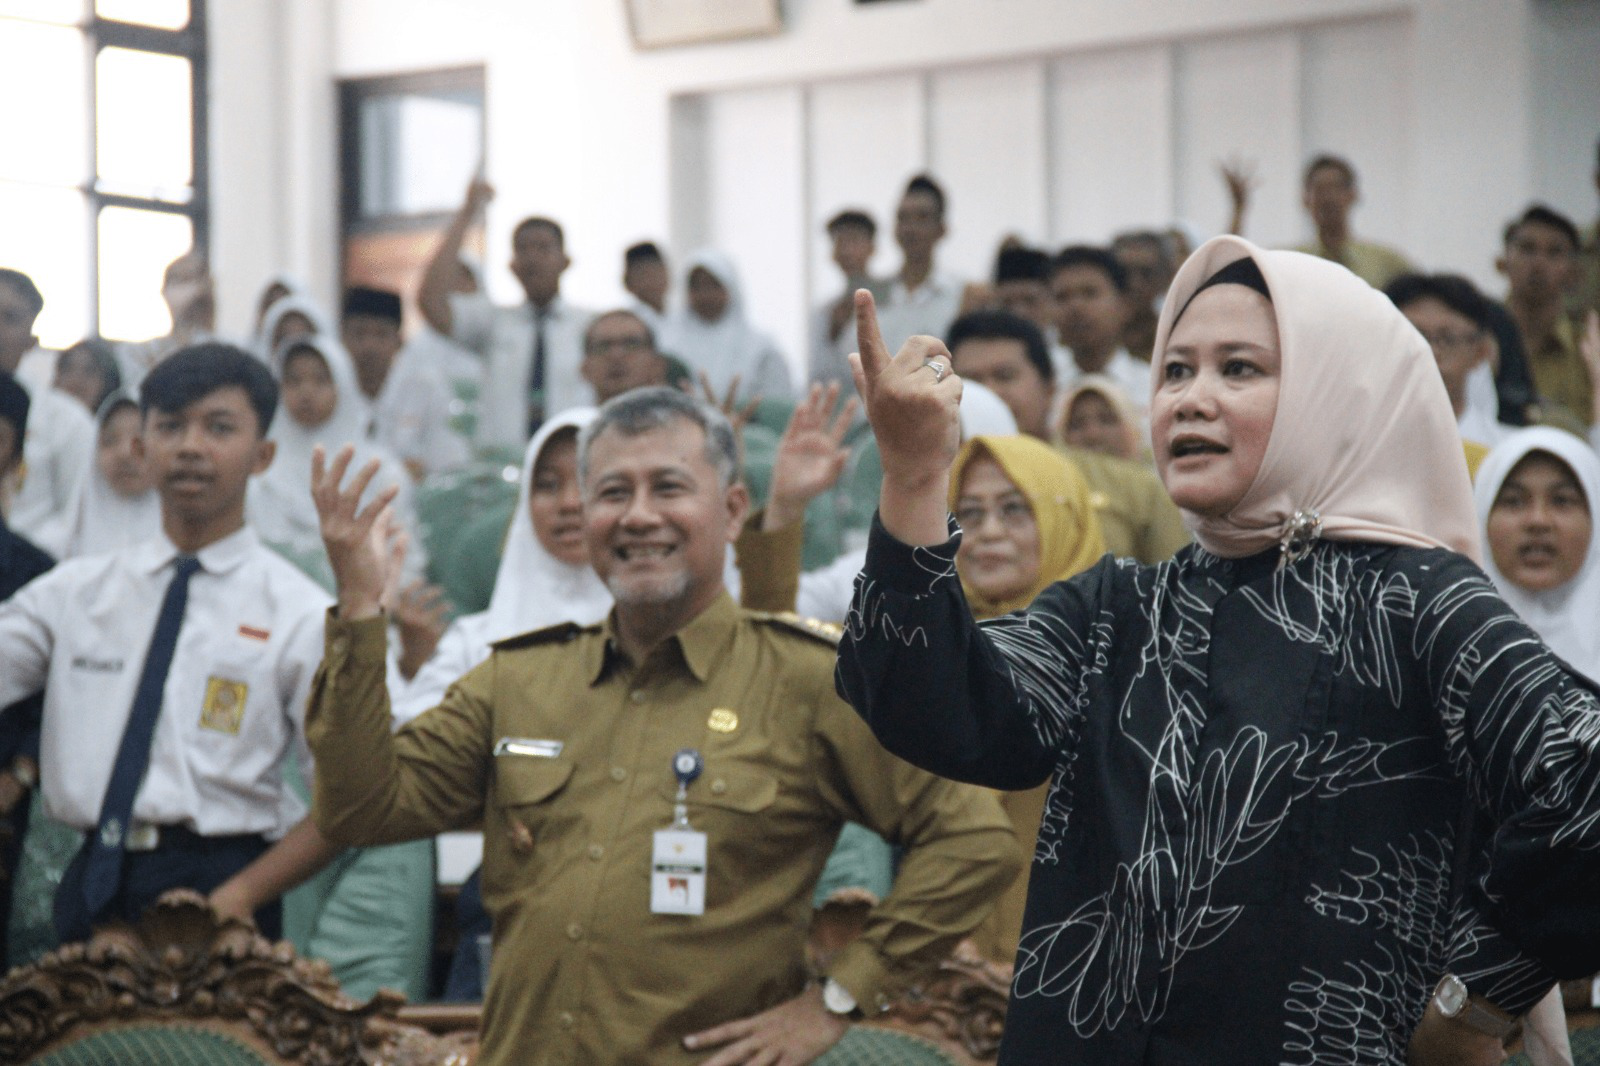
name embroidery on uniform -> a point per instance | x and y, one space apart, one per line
97 666
255 633
223 710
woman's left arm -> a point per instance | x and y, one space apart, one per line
1523 728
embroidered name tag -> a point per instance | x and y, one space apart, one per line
223 709
97 666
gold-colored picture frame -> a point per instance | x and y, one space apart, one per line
668 23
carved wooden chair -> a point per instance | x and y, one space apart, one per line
186 986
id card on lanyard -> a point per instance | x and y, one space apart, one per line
678 860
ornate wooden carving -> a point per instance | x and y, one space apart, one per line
183 964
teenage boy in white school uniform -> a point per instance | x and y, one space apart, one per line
175 673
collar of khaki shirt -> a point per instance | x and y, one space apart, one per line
701 644
1561 343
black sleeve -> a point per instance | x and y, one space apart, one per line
1523 729
995 704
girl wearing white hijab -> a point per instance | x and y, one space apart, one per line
1312 767
278 287
544 576
119 506
321 404
1536 495
289 318
712 335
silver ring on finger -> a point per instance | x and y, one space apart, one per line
938 368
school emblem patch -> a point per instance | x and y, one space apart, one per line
223 710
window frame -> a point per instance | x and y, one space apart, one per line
188 43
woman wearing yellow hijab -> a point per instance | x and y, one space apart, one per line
1026 522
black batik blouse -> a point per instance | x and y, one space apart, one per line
1281 798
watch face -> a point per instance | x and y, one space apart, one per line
1451 996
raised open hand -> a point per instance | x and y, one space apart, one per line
358 539
810 457
1240 177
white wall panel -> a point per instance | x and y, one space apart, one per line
1111 142
756 193
1566 106
867 137
1239 96
987 147
1356 78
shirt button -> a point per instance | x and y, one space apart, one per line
618 774
638 695
341 644
719 786
566 1019
574 931
596 851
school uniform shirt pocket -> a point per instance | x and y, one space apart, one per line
523 781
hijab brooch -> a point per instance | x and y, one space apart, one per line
1300 535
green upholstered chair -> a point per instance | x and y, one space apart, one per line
1585 1049
467 571
463 515
157 1045
773 414
866 1046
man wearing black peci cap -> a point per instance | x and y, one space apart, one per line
410 399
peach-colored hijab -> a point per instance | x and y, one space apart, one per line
1364 437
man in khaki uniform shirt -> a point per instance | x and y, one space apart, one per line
1540 263
562 745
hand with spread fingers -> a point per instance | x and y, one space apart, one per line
810 457
793 1033
362 550
913 401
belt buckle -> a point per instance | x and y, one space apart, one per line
142 836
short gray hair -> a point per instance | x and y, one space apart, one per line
641 410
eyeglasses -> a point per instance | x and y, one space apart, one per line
1013 515
1450 340
624 345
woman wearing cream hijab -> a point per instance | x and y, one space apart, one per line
1306 774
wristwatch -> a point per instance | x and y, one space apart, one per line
838 1000
1453 1002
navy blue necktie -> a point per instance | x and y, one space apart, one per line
102 871
536 374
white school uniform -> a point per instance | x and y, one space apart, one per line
927 310
731 346
504 338
411 414
56 452
235 694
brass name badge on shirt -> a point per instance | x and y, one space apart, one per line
722 720
223 709
539 749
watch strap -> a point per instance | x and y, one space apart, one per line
1487 1021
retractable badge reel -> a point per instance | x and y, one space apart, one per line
678 863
